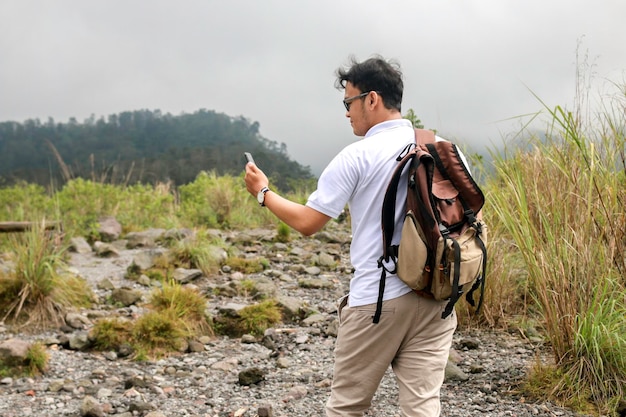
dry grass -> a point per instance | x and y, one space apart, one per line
37 292
562 206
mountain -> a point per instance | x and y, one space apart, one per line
140 146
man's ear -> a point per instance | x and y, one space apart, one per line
374 99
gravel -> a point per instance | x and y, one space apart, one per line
294 363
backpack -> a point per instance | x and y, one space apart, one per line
442 248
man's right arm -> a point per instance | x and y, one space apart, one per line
302 218
297 216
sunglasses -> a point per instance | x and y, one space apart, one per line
349 100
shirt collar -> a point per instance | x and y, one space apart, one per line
389 124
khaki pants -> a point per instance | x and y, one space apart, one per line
411 337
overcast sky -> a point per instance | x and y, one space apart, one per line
469 65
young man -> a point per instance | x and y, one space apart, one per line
411 335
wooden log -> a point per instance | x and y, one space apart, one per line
10 227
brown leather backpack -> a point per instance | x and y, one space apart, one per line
442 250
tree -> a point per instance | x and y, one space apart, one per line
412 117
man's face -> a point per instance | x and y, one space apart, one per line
358 113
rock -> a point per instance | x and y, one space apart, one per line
248 338
183 276
141 406
284 362
225 365
105 250
314 319
145 259
195 346
316 283
146 238
14 349
79 341
313 270
77 321
90 407
109 229
265 410
178 234
155 414
454 373
468 343
125 296
105 284
251 376
326 260
80 245
291 306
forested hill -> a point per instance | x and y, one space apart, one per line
139 146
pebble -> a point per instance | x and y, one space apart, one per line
296 368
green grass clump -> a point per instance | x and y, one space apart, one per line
35 363
257 318
186 304
253 319
37 293
246 266
160 332
176 314
36 359
110 334
284 232
201 252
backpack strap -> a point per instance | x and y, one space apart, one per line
390 253
389 206
456 292
481 280
423 136
388 220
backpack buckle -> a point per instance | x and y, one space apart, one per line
469 213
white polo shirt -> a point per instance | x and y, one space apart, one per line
358 176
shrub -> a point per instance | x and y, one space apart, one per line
257 318
37 293
253 319
36 359
160 332
186 304
246 266
200 253
110 334
35 363
284 232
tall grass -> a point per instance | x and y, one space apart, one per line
562 204
37 292
208 202
221 201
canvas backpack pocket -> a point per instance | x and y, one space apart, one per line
471 257
412 254
471 262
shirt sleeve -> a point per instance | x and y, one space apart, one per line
335 186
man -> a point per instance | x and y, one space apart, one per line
411 335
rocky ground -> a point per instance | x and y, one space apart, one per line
292 364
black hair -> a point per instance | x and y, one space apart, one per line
374 74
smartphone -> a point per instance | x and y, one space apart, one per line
249 158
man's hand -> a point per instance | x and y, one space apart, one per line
255 179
